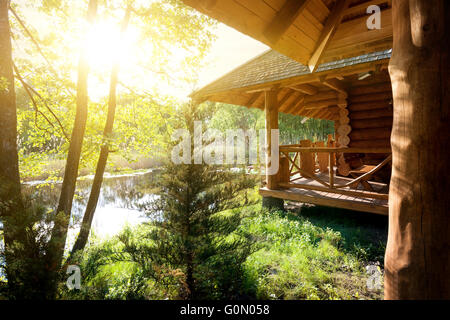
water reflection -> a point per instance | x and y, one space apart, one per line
121 201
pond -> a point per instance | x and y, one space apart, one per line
120 203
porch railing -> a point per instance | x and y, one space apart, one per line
291 172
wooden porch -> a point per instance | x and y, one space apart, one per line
309 174
354 93
328 199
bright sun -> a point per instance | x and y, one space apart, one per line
105 44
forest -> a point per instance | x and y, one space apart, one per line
93 208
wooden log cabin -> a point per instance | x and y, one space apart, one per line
316 32
355 93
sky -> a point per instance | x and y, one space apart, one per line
230 50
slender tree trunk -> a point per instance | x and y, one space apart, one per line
417 264
189 260
64 209
10 194
104 152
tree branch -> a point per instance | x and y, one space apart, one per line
30 91
27 31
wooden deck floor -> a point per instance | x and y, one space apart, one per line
330 199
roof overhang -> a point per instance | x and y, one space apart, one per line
245 86
308 31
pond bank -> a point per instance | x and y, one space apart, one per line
107 175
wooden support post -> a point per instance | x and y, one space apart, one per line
283 175
271 110
331 144
331 168
417 262
307 162
322 157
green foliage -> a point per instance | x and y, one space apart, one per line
173 40
4 84
188 233
302 260
26 256
192 248
199 244
309 254
292 130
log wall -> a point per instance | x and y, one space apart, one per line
370 113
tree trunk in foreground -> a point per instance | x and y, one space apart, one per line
104 152
64 209
417 263
10 194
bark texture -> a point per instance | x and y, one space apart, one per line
64 208
417 263
104 152
10 193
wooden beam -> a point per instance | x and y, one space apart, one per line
323 95
328 31
335 85
294 105
304 88
259 90
314 113
299 109
284 19
285 98
252 99
289 102
324 103
363 6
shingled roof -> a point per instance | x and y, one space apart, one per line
273 66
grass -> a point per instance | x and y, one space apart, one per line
315 253
306 252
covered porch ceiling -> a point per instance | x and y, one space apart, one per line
308 31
